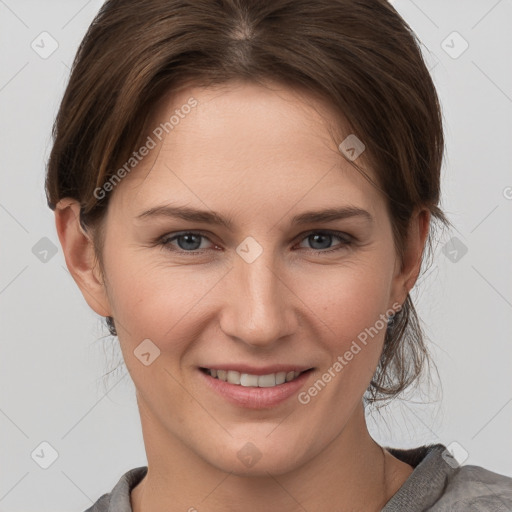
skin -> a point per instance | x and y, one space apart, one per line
259 156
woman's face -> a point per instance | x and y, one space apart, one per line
260 289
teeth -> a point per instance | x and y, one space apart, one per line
267 381
281 377
233 377
248 380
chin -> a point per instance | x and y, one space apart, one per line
257 458
266 465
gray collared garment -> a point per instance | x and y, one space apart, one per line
437 484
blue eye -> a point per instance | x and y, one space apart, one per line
321 237
187 242
190 241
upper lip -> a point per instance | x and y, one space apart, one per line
253 370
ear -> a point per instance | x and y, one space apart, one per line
81 260
413 251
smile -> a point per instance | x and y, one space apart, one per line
250 380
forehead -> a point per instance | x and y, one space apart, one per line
244 142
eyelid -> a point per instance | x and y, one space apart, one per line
176 234
333 232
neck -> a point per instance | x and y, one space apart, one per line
351 473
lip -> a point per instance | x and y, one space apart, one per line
255 397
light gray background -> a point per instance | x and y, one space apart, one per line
55 351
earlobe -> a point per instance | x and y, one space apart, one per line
81 260
413 252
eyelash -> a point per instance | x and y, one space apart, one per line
346 240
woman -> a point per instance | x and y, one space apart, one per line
202 152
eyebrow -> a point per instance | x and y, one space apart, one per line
210 217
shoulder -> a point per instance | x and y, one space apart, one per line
101 505
118 500
475 489
439 484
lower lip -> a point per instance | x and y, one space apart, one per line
255 397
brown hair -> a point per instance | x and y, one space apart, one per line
358 55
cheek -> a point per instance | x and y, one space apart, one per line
347 299
350 308
155 300
162 305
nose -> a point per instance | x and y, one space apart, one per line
259 310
